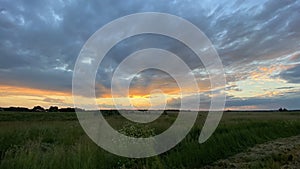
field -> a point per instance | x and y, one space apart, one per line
30 140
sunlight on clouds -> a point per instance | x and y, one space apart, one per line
155 100
28 97
262 83
13 90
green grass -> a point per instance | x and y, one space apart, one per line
37 116
41 141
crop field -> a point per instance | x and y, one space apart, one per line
31 140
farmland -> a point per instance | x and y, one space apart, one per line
46 140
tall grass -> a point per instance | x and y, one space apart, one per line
64 145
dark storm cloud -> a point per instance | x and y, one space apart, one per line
40 40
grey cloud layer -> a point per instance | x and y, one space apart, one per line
40 40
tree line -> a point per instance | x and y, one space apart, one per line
40 109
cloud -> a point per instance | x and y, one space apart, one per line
40 41
55 80
51 100
292 75
272 103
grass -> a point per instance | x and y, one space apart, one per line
56 140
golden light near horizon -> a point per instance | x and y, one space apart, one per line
30 97
12 96
263 83
259 84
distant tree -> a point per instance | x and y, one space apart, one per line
38 109
69 109
53 109
16 109
282 109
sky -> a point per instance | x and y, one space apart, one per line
258 43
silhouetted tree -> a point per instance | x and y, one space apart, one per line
69 109
282 109
19 109
53 109
38 109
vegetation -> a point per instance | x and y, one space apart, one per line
55 140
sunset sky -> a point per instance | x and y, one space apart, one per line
257 41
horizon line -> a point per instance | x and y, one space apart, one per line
142 109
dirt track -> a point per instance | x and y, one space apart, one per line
281 153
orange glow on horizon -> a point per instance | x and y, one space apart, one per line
14 90
29 97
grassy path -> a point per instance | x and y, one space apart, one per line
281 153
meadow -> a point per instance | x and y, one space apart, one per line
49 140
